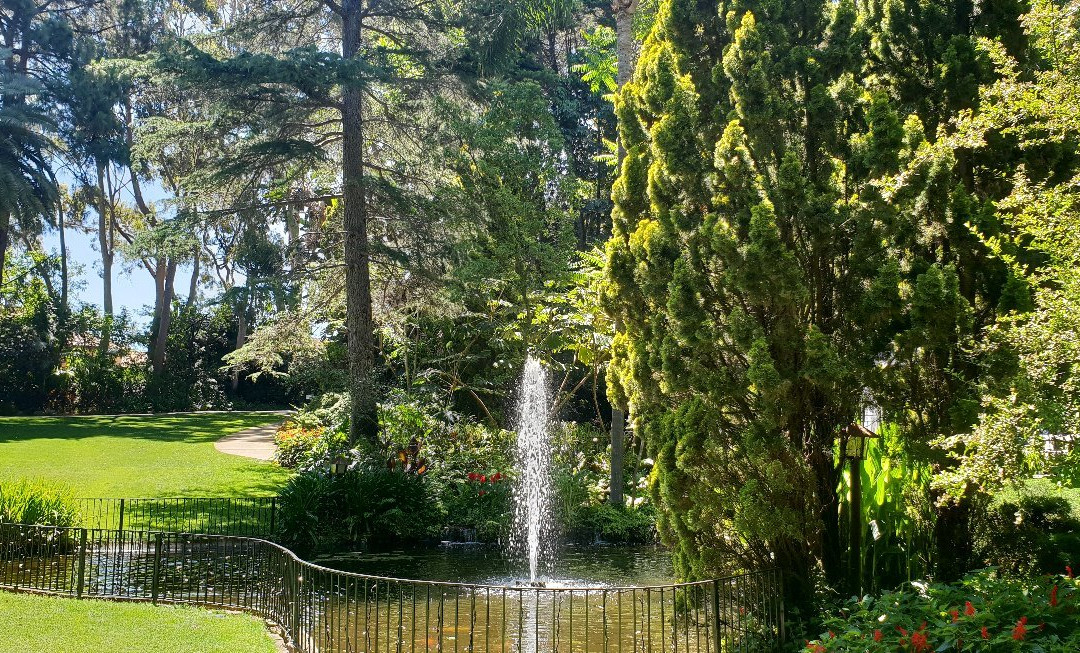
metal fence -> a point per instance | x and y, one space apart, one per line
323 610
246 517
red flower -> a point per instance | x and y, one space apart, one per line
1020 630
1068 571
969 609
472 476
985 633
482 493
483 478
496 477
901 631
955 615
1053 597
878 635
919 643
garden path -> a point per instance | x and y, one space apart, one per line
256 442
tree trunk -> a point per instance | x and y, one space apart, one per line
363 422
624 46
5 231
832 545
241 337
618 441
105 227
164 318
193 285
63 262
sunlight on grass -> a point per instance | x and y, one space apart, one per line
128 456
33 624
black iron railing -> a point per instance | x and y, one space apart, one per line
322 609
246 517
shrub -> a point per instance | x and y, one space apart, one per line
297 445
611 524
329 410
481 503
985 612
364 507
37 502
1036 534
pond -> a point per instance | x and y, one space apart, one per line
576 566
463 599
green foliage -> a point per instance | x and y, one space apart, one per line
28 189
782 246
295 443
35 501
599 69
603 522
365 506
897 519
1033 391
480 507
984 612
1035 535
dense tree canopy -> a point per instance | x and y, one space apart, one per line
743 224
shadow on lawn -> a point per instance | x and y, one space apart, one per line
195 428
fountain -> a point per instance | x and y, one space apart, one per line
532 535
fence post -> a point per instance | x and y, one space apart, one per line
157 568
273 514
82 563
297 582
120 527
716 616
783 635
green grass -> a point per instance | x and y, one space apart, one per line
39 624
1041 487
132 456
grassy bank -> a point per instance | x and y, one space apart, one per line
38 624
130 456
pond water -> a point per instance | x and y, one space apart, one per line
576 566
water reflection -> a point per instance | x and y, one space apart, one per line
594 566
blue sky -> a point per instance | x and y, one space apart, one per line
133 287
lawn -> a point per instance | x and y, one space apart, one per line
130 456
39 624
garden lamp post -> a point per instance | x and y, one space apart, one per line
855 438
339 465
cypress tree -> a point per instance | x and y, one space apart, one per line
763 272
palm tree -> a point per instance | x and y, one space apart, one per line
28 190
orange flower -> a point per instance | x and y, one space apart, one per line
969 609
985 633
955 615
1020 630
919 643
877 635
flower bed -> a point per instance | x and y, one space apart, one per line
984 612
